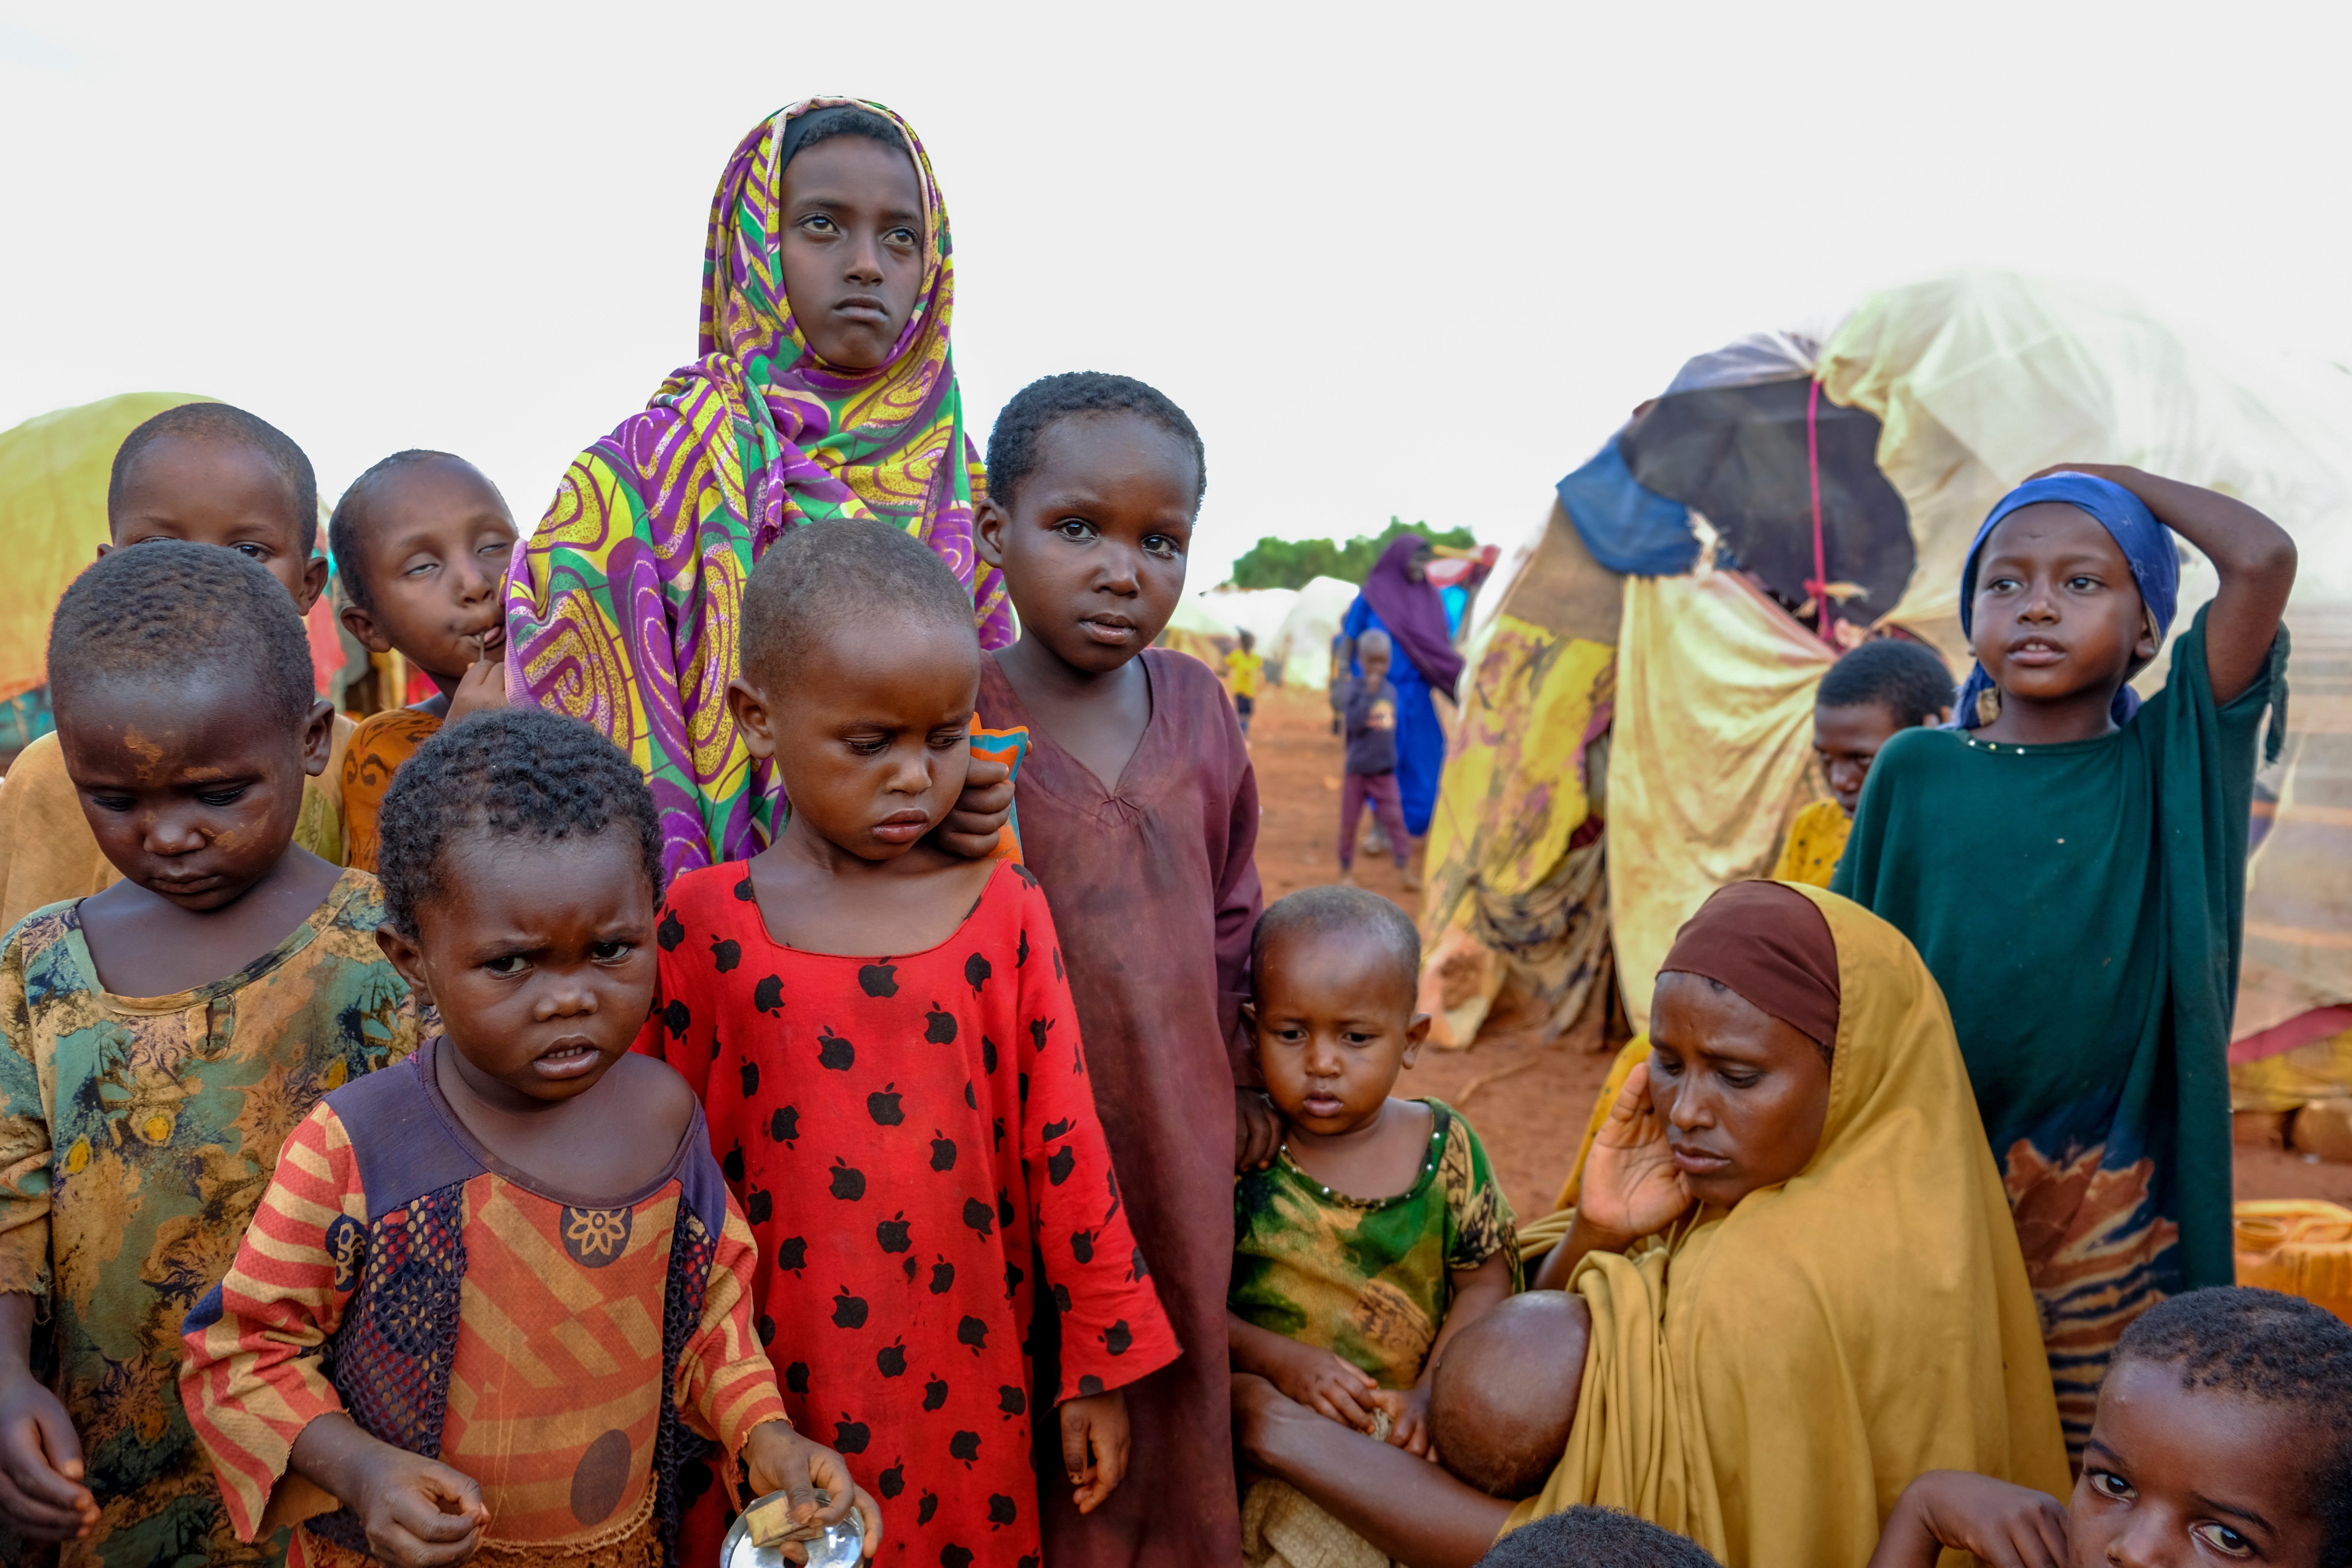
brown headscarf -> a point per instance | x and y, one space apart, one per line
1769 943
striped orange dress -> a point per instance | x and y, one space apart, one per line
397 1272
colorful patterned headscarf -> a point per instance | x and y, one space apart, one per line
622 606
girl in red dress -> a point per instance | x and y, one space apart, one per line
882 1036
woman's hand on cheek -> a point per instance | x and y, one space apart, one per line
1632 1188
971 829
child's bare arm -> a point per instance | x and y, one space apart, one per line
1095 1445
2005 1526
41 1493
981 812
1327 1383
1477 1292
2254 556
419 1513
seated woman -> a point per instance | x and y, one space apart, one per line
1846 1306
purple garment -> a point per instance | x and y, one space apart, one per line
1414 615
1371 748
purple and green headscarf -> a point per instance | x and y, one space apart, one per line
622 605
2147 546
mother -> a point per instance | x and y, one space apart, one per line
822 388
1804 1285
1399 598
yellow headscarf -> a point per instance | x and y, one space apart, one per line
1768 1381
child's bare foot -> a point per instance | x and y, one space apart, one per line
1411 877
1347 877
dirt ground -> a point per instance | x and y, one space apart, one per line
1529 1102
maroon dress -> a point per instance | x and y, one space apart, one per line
1155 892
908 1137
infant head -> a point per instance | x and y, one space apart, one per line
1504 1392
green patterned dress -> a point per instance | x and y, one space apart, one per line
137 1136
1369 1280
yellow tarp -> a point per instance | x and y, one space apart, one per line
1711 757
53 473
2299 1245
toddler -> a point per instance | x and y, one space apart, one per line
160 1040
1368 708
2223 1433
494 1298
1245 668
1139 813
1378 1232
898 1087
421 541
1869 695
203 473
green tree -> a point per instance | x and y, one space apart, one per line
1292 562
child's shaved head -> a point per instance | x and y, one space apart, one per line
1370 919
822 574
169 613
1506 1390
348 530
1585 1537
219 423
2272 1349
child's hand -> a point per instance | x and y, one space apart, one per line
484 684
1407 1411
41 1493
778 1459
1632 1188
1327 1383
1257 1130
981 812
2006 1526
1094 1447
419 1513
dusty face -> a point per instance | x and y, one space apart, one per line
1846 740
2056 611
1334 1024
218 492
2175 1478
1093 543
871 734
540 954
1744 1096
192 790
852 249
437 540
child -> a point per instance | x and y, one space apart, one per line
882 1038
1584 1537
162 1037
422 539
1244 668
491 1300
1139 813
208 474
1368 708
1380 1231
1503 1399
2074 874
2224 1431
1869 695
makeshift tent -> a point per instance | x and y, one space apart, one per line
1641 696
1257 611
1198 630
1301 646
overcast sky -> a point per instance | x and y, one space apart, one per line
1413 260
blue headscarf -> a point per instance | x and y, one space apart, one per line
2147 544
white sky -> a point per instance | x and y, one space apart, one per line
1416 260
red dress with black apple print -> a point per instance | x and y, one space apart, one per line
901 1132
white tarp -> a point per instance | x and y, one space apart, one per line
1301 646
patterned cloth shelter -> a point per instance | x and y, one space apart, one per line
912 1137
621 607
452 1307
136 1137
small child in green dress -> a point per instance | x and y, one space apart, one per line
1380 1231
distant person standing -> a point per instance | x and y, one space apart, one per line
1398 599
1367 706
1245 668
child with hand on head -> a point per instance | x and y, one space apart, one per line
160 1040
1380 1231
495 1299
1244 669
2071 863
882 1036
1139 813
203 473
1869 695
2223 1434
422 541
1369 710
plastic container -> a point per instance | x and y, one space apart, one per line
841 1546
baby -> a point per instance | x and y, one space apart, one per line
1378 1232
1503 1398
